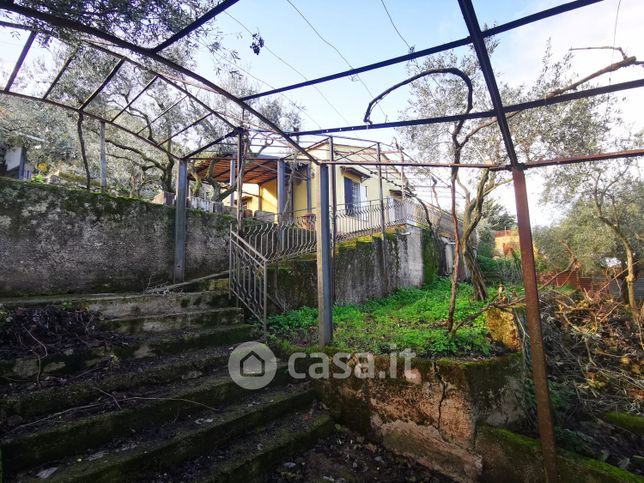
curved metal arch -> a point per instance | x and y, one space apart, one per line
136 49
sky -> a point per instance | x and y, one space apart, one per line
362 33
351 33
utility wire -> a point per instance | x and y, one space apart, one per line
409 47
394 26
293 69
338 52
619 4
612 53
299 108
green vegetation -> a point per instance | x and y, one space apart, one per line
409 318
630 422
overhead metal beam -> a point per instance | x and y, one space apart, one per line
478 41
630 153
163 113
559 9
323 235
197 100
106 81
192 124
62 71
595 91
188 29
93 116
135 98
168 81
419 164
180 220
20 61
137 49
352 153
211 144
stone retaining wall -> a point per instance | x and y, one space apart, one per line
413 259
54 240
431 412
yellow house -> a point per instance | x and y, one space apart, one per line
506 242
291 183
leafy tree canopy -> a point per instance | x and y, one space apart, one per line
497 216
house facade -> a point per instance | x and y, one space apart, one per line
293 188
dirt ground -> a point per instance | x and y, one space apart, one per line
346 457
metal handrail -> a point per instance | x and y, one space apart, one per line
248 277
261 241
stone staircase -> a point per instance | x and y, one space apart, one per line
156 404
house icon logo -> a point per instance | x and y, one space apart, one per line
252 365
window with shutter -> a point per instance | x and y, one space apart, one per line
352 195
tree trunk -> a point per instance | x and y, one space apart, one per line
631 277
631 265
457 258
166 179
478 282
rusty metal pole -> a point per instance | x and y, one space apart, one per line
103 158
539 370
240 176
281 189
323 238
334 217
180 220
383 226
233 167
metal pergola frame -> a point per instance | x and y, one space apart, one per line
476 39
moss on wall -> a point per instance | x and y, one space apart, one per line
57 240
629 422
511 457
412 259
431 256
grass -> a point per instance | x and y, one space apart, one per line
411 318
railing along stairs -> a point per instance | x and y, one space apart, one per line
261 241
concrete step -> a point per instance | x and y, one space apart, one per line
129 305
134 347
28 400
175 321
141 456
77 429
252 457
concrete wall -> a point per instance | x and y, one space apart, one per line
412 260
430 412
54 240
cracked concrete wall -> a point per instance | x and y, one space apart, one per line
54 240
431 411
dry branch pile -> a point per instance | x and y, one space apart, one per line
595 357
595 346
43 331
